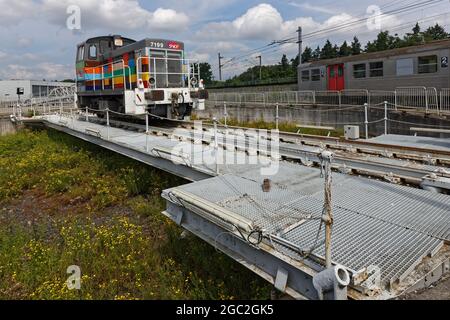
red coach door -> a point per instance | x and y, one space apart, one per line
335 75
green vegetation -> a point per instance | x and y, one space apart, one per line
65 202
282 126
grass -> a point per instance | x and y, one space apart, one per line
283 126
64 202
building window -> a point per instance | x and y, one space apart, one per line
405 67
359 70
427 64
376 69
93 52
315 75
305 75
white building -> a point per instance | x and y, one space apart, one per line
32 88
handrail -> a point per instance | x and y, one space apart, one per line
103 78
153 71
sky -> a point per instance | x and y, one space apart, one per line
35 42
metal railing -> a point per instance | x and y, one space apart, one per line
429 100
444 100
189 75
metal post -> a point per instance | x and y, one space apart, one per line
225 113
385 118
107 123
146 131
72 117
366 121
300 43
216 146
327 214
87 117
276 116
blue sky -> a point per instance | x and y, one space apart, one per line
36 44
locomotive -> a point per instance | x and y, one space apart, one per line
138 77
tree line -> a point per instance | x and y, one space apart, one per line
384 41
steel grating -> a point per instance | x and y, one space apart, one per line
414 141
376 223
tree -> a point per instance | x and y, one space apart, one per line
356 46
435 32
384 41
328 51
345 50
284 62
307 55
413 38
316 53
206 73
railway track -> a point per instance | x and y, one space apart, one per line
394 164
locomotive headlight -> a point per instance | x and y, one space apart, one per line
151 81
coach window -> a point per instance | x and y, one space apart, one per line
359 70
376 69
305 75
427 64
93 51
315 75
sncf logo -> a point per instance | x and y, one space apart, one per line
174 45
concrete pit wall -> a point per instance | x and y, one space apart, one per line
6 126
335 117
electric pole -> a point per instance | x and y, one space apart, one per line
220 67
260 67
300 44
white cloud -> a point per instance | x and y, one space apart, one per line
45 70
116 15
12 12
311 7
264 22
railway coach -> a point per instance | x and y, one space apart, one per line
425 65
135 77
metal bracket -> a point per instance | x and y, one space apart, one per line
281 279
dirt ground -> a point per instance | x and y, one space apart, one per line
440 291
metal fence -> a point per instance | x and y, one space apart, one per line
444 100
421 98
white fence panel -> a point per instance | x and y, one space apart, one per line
354 97
332 98
445 100
412 97
378 97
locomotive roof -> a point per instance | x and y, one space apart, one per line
434 45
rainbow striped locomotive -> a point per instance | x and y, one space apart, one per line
135 77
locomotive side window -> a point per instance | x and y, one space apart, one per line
359 70
92 51
427 64
376 69
305 75
80 55
315 75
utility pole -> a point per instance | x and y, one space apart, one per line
260 67
220 67
300 45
